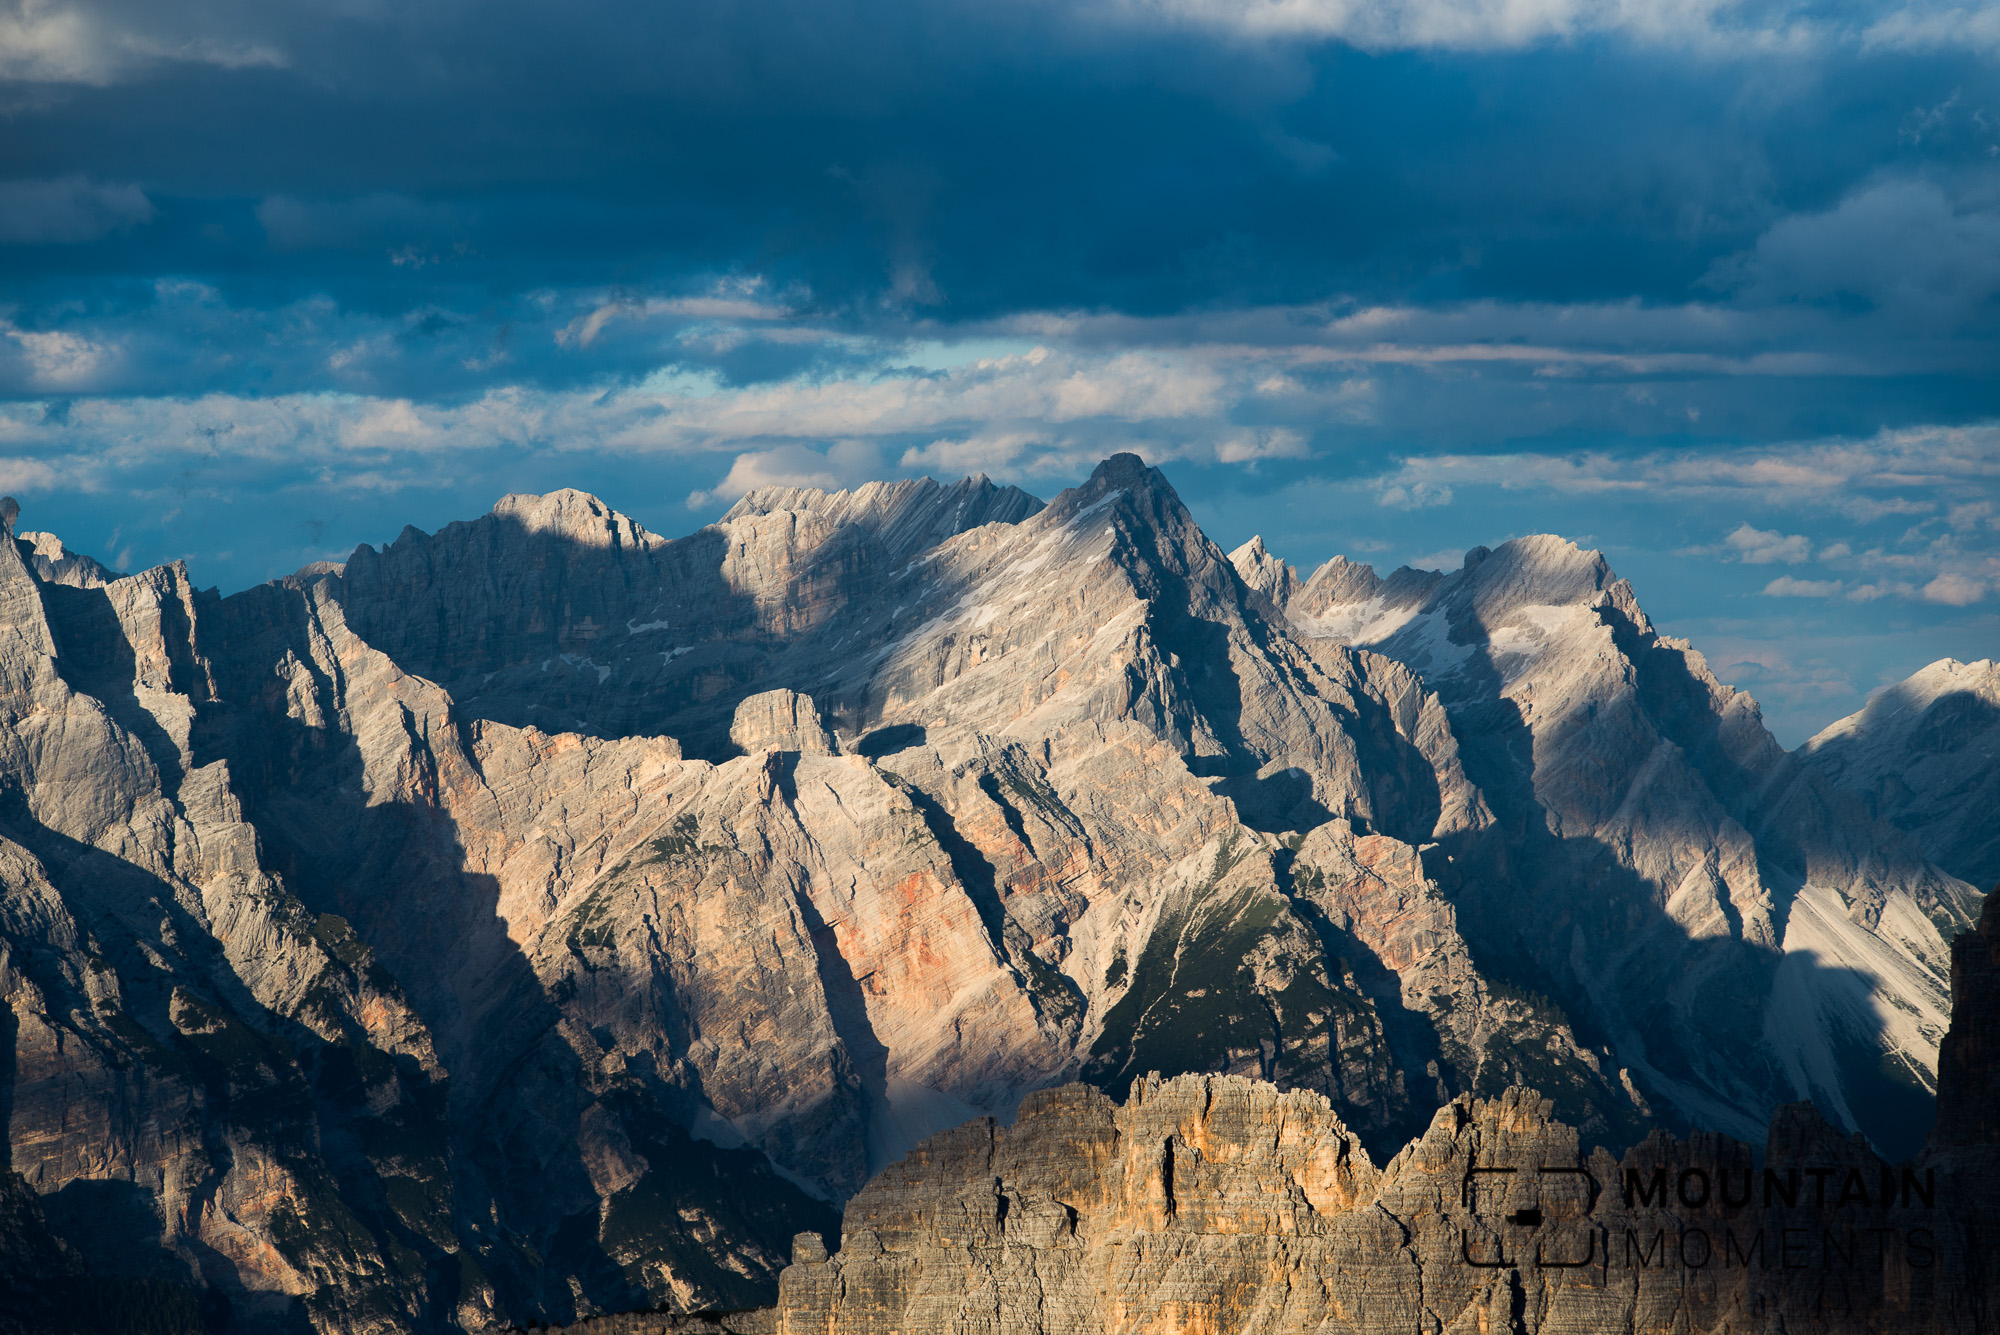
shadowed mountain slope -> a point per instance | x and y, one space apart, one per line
542 917
1924 756
1662 865
1219 1203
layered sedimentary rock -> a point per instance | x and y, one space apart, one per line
1924 755
194 1057
1969 1058
542 917
1659 864
1215 1203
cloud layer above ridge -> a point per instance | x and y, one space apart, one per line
1713 286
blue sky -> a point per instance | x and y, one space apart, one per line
1714 287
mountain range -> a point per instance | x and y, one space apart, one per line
542 917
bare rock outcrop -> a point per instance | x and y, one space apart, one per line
57 564
1655 845
1216 1203
782 721
1969 1058
1924 755
542 919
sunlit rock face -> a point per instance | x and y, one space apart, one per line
1924 755
1737 929
543 917
1218 1203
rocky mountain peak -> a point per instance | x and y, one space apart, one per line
1125 469
906 517
1541 570
1912 706
57 564
1125 482
782 721
1344 599
1614 757
593 891
1924 755
576 516
1265 573
868 498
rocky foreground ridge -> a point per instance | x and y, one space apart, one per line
1219 1203
540 917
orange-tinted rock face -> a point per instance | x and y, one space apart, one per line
542 916
1215 1203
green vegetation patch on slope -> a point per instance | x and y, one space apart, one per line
719 1220
1195 1003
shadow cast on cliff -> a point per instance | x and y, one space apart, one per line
244 1076
606 641
394 873
1632 980
95 658
528 653
397 873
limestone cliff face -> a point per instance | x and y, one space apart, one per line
196 1061
1924 755
222 1093
559 612
1215 1203
1969 1059
1659 863
541 917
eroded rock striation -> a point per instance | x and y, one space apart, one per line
1218 1203
1924 755
542 918
1658 863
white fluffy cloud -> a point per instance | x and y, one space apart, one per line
1760 547
1253 443
45 42
1786 587
55 359
846 464
1413 496
1954 590
734 301
1476 24
27 475
1718 27
1909 471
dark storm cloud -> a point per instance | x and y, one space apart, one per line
976 159
277 278
67 211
